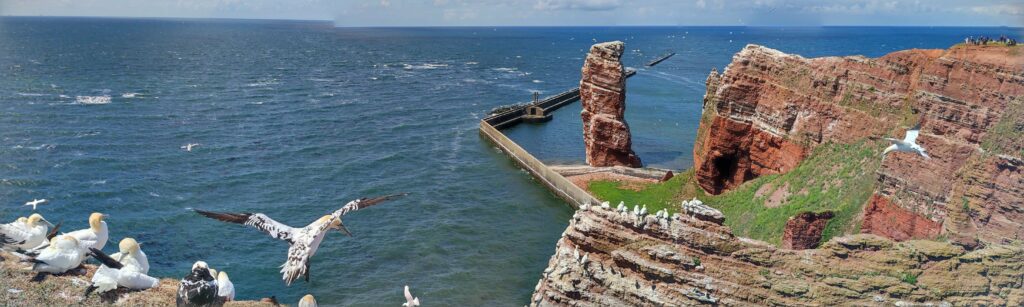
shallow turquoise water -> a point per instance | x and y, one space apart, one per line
296 118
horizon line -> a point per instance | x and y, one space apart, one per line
334 22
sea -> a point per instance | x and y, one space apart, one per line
295 118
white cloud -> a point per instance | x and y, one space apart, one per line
586 5
1000 9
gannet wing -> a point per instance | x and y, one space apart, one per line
363 203
258 220
53 232
15 232
136 280
912 133
892 140
5 240
105 259
408 295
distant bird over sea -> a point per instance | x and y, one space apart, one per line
198 288
303 242
188 147
907 144
35 202
410 301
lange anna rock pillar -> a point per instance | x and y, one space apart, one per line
603 92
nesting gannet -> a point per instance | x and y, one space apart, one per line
121 269
225 288
198 288
27 232
303 242
4 241
410 301
61 255
96 235
188 147
307 301
35 202
907 144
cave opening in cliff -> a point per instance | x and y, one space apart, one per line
725 169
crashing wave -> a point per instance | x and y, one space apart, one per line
105 99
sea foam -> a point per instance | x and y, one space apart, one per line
105 99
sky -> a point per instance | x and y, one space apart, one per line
553 12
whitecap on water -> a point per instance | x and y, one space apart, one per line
471 63
538 81
105 99
30 94
425 66
130 95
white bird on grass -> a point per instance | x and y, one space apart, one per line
307 301
35 202
907 144
303 242
127 268
410 301
61 255
26 232
188 147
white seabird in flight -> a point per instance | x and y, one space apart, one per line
35 202
907 144
303 242
410 301
188 147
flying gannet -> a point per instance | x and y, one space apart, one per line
127 268
35 202
198 288
907 144
307 301
410 301
303 242
225 288
188 147
27 232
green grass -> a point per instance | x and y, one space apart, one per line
835 177
1005 135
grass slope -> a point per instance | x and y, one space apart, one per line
835 177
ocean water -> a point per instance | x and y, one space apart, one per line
296 118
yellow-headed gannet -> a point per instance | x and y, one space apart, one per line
303 242
96 235
410 301
225 288
61 255
307 301
907 144
26 232
198 288
121 269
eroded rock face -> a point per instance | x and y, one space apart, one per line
804 230
603 93
611 258
768 110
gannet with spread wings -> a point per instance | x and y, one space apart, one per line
303 242
907 144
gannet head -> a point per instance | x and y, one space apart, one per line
96 221
222 276
213 272
53 242
67 242
307 301
128 246
23 220
336 224
33 220
200 264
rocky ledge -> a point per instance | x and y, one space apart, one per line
768 110
610 257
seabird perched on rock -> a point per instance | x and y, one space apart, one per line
35 202
198 288
26 232
907 144
606 205
643 210
126 268
226 289
307 301
303 242
410 301
63 254
95 236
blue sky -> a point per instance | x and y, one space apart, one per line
552 12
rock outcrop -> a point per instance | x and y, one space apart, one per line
603 92
804 230
611 258
768 110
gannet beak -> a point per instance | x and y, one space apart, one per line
48 223
344 230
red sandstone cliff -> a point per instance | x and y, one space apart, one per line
603 92
768 110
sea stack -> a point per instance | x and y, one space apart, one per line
603 92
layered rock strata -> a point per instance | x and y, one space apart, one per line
603 93
804 230
768 110
609 257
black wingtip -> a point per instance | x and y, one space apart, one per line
104 258
53 232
